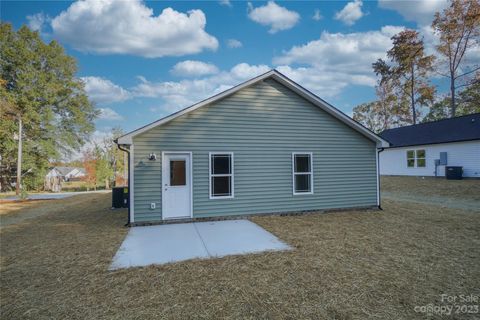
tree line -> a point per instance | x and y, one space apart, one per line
104 163
46 116
40 93
404 88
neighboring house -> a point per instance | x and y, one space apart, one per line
66 173
57 175
75 174
415 149
265 146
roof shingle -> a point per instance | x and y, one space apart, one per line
463 128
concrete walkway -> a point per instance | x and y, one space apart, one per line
51 196
199 240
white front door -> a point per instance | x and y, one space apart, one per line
176 185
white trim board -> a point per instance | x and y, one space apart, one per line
210 175
282 79
132 182
309 173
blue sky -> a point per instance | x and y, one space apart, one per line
142 60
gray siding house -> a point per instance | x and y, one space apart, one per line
265 146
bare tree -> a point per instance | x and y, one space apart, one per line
408 71
458 27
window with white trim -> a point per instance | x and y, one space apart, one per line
416 158
221 175
302 173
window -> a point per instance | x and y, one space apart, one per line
177 173
416 158
411 158
221 175
420 158
302 173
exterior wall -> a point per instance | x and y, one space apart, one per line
467 154
53 173
262 125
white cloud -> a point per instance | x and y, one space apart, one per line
317 16
193 68
226 3
109 114
420 11
174 95
130 27
97 138
325 84
350 13
179 94
234 43
102 90
37 21
276 17
340 58
244 71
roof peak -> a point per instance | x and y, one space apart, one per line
283 80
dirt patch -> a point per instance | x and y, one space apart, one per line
345 265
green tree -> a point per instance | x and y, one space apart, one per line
103 170
469 99
39 81
458 28
467 103
117 157
385 113
408 71
114 156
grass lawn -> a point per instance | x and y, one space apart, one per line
429 186
12 207
346 265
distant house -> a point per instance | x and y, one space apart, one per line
265 146
426 149
66 173
57 175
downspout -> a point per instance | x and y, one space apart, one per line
129 204
378 178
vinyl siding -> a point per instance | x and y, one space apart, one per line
466 154
262 125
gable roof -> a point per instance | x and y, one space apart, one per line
64 170
457 129
282 79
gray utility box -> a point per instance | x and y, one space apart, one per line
443 159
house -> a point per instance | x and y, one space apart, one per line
426 149
265 146
57 175
66 173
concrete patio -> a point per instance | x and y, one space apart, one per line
199 240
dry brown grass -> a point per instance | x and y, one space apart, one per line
9 207
351 265
461 189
